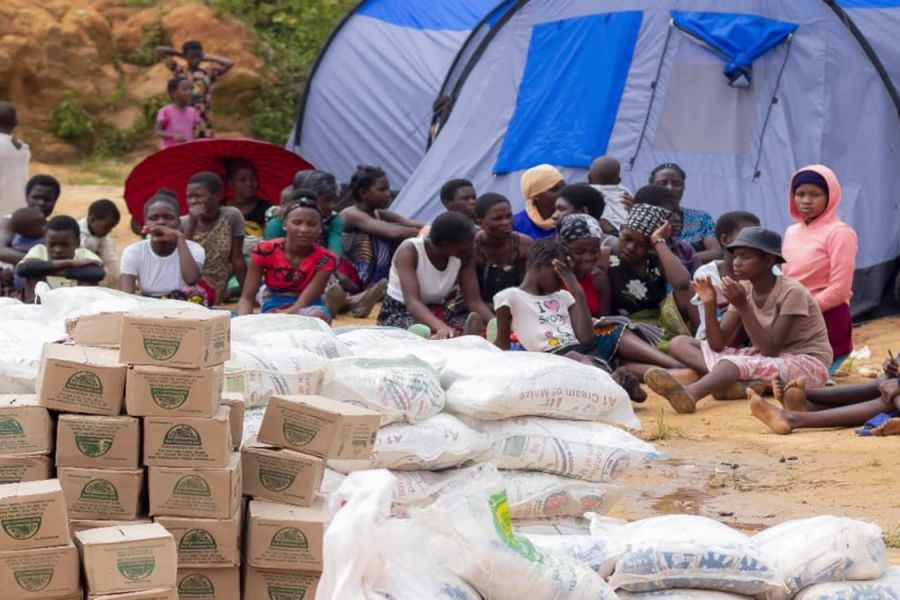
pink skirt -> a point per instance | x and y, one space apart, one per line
753 365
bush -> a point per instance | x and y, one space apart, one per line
291 32
145 54
70 121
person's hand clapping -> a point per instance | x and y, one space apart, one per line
734 292
705 290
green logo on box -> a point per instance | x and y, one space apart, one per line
161 349
296 435
196 584
169 398
197 539
100 489
289 537
277 592
192 485
182 435
136 570
85 381
275 480
21 528
93 446
33 580
10 427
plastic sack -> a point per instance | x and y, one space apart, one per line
552 526
472 536
365 339
589 451
259 371
441 442
392 563
437 353
601 525
402 389
513 384
886 587
691 552
681 595
288 331
823 549
594 553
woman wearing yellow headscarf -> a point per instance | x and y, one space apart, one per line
540 186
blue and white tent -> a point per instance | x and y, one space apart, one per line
370 94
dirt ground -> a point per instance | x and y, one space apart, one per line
721 462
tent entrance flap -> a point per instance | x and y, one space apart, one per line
570 91
735 38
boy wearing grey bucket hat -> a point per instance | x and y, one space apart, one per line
772 328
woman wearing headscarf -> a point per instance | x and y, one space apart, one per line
540 187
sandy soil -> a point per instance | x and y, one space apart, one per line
721 463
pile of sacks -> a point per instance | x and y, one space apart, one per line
465 547
449 405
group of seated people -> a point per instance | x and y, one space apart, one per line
634 284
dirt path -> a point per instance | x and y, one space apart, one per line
721 462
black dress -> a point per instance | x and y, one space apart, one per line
493 278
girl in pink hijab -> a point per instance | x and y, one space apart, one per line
820 250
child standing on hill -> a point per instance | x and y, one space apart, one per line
605 175
177 123
201 77
103 216
779 317
820 251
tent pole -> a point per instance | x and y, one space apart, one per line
774 101
653 85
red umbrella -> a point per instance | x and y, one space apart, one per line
174 166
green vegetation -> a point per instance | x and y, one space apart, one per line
892 538
70 121
291 32
664 431
145 54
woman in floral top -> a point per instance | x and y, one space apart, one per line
698 228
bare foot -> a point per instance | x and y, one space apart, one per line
474 324
739 390
778 389
630 383
685 376
889 427
769 414
795 395
664 383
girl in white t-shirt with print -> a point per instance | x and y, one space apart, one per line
166 264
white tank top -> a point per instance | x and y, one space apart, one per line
434 286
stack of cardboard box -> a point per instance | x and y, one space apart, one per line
26 439
175 374
37 558
129 562
282 472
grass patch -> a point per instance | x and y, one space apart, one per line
892 538
664 430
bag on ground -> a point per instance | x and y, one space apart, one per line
288 331
360 340
259 371
437 353
691 552
681 595
402 389
886 587
541 495
581 450
512 384
823 549
594 553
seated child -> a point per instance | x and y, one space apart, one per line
605 176
424 276
778 315
27 228
165 264
102 218
727 228
60 260
294 269
665 198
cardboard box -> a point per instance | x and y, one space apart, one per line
205 492
157 594
319 426
212 543
103 330
235 403
76 525
177 441
214 584
281 475
17 469
40 573
259 584
81 379
102 493
281 536
25 425
127 559
32 515
91 441
185 338
163 391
